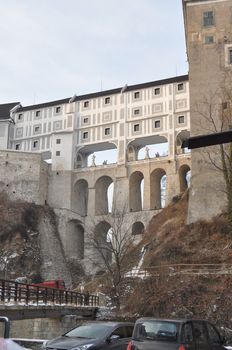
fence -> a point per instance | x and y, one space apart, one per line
22 293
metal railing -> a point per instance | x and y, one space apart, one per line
22 293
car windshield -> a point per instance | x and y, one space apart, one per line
91 331
156 330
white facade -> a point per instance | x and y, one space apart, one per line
68 131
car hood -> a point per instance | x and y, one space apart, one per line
69 343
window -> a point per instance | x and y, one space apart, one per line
157 91
107 131
85 135
136 94
86 104
136 127
35 144
187 333
58 141
107 100
136 111
157 124
181 119
209 39
214 337
37 113
36 129
58 109
121 332
85 120
200 335
224 105
208 19
180 87
17 146
20 116
57 153
230 56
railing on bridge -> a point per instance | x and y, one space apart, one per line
22 293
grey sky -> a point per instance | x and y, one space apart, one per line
52 49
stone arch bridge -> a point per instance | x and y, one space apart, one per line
141 188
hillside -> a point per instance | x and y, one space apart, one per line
174 290
169 284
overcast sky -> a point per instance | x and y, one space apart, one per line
52 49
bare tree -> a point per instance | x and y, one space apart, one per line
112 242
215 111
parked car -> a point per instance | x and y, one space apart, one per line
94 336
165 334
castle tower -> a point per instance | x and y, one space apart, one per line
208 26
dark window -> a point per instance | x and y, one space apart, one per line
58 141
137 94
37 128
86 120
86 104
209 39
85 135
37 113
129 331
157 124
208 18
224 105
214 336
35 144
200 335
230 56
187 333
57 153
107 131
58 109
136 111
181 119
20 116
107 100
157 91
180 87
136 127
17 146
120 331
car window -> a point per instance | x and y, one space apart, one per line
200 336
121 331
214 336
156 330
187 333
129 331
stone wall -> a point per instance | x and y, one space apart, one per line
23 176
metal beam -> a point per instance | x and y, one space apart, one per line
207 140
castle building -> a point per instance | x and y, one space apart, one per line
209 47
64 133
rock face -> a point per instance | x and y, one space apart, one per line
30 245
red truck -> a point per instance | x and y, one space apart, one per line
59 284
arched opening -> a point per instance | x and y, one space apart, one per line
155 146
103 202
135 191
78 162
158 189
184 176
137 228
131 154
183 135
103 243
75 240
80 197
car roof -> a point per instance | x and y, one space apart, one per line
110 323
176 320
